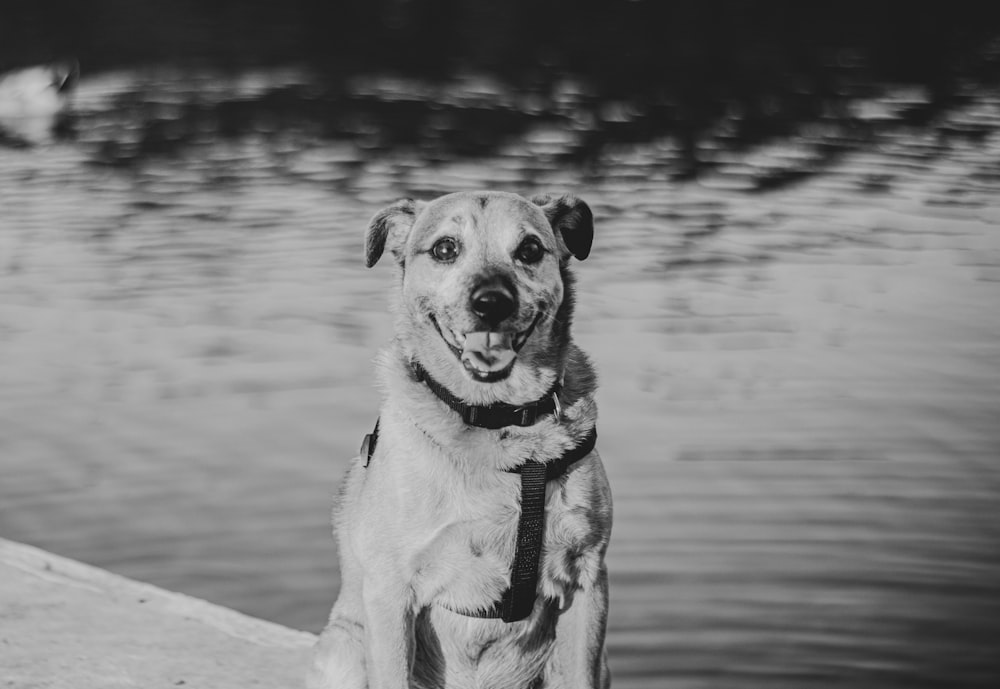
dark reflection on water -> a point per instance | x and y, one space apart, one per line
722 74
792 307
475 116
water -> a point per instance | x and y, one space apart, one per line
797 341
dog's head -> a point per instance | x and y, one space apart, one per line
485 298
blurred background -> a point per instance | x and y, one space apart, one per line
792 300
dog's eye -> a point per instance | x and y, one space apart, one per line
444 249
530 251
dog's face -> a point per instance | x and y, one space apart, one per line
485 300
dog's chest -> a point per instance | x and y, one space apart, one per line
465 565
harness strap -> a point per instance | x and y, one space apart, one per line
369 442
518 600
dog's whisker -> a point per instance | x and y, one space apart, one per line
552 318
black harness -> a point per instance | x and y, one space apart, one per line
518 600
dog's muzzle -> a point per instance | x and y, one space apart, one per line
488 355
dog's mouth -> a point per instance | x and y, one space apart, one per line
487 355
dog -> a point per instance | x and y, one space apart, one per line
472 528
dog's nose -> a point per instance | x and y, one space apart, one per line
493 303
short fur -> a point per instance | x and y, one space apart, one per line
430 525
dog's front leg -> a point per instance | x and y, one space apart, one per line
579 660
389 644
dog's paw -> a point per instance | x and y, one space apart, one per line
338 660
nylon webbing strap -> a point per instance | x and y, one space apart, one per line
492 416
369 443
519 599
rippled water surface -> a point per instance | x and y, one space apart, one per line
799 352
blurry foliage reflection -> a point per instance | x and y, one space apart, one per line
729 72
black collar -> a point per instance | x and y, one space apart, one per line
496 415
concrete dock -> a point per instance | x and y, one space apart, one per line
64 624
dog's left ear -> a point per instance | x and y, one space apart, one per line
390 226
572 219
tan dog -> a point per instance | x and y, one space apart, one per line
434 525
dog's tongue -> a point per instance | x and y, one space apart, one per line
488 351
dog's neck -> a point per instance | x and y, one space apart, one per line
476 450
498 414
575 377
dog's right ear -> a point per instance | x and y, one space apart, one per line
389 226
572 219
